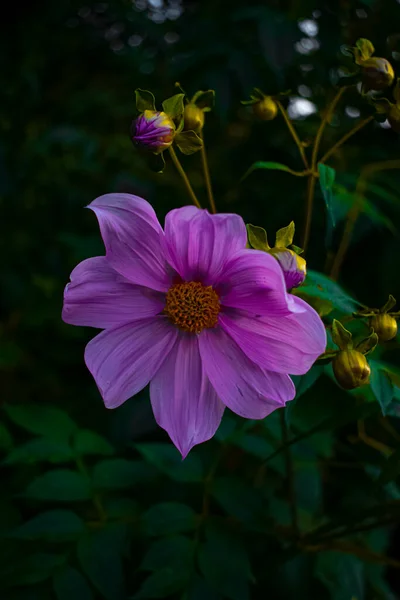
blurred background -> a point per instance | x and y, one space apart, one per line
97 504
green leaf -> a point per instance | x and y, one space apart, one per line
99 555
257 238
204 100
175 552
238 498
30 570
53 525
38 450
119 473
273 166
90 442
341 336
120 508
167 458
319 285
284 236
225 564
342 574
156 162
326 180
144 100
61 484
162 583
188 142
167 518
6 440
48 421
381 386
390 469
174 107
70 584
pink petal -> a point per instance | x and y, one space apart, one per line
253 281
199 244
284 344
132 237
183 400
122 361
98 296
246 389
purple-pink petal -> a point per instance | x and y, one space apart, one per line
132 236
284 344
253 281
183 400
198 245
124 360
245 388
98 296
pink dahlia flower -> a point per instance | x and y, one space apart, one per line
192 311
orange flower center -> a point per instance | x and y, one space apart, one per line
192 306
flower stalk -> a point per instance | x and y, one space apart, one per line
184 177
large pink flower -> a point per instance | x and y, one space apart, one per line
192 311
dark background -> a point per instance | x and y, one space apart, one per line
69 71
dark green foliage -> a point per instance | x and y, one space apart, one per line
98 504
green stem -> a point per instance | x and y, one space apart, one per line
207 177
293 133
184 177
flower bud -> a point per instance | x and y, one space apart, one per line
193 118
266 109
351 369
394 117
292 265
377 73
153 131
384 325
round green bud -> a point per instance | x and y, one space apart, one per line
377 73
385 326
351 369
266 109
193 118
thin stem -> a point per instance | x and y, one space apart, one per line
354 549
372 442
182 173
207 177
347 136
293 133
314 161
355 210
289 473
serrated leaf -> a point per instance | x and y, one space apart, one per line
188 142
381 386
144 100
99 555
326 180
53 525
38 450
88 442
61 484
48 421
168 460
284 236
174 107
167 518
272 166
257 238
119 473
70 584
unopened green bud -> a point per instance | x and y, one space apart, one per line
351 369
377 73
193 118
385 326
266 109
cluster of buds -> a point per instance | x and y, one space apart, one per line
155 131
381 320
264 107
376 73
292 264
350 366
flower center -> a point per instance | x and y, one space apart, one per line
192 306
